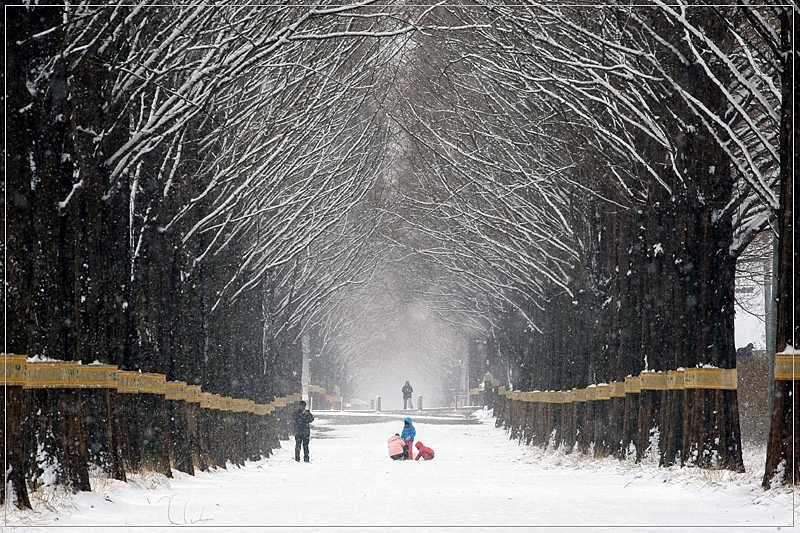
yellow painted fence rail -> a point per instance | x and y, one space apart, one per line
124 421
694 378
16 370
608 418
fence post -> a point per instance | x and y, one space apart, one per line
419 402
378 404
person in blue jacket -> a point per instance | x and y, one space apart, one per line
408 435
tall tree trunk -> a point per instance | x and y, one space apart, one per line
18 244
783 459
11 433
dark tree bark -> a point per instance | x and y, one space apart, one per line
783 461
180 436
102 428
12 433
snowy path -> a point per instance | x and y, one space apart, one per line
478 478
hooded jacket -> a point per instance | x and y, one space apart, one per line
424 452
409 432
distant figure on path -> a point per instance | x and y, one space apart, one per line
398 450
408 434
302 431
424 452
745 352
407 390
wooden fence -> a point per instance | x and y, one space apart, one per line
73 416
615 418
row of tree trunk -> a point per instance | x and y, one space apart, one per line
93 274
654 287
55 435
593 426
656 293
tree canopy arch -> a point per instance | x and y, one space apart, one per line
569 185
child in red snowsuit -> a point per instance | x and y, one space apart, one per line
424 452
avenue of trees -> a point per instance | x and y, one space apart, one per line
558 195
664 134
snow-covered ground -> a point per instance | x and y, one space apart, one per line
479 479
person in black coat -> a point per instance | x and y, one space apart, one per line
302 431
407 390
745 352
